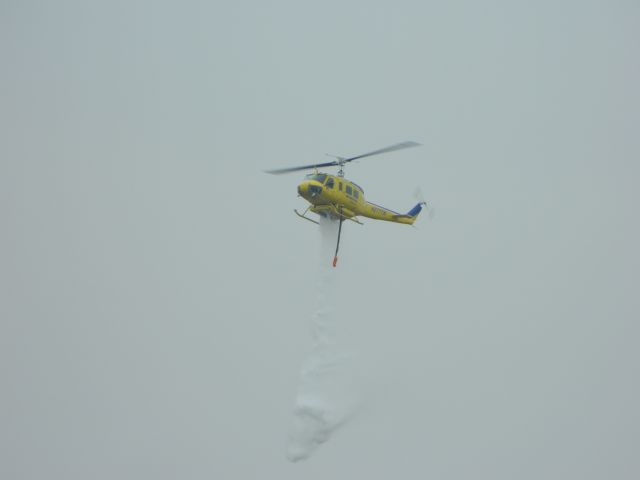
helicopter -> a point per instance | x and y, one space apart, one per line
336 198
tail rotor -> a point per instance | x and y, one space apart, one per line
419 196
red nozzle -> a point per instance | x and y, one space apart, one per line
335 261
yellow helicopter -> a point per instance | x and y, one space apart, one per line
335 197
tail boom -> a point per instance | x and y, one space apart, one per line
378 212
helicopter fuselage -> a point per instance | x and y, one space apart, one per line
335 197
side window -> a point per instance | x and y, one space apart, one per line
349 190
340 186
356 193
329 183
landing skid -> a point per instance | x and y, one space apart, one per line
303 215
355 220
334 212
330 212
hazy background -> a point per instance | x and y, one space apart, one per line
156 287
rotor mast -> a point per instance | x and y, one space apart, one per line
340 161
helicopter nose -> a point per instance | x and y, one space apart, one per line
309 189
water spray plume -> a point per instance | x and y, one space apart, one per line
325 399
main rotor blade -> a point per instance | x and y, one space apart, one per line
342 161
280 171
390 148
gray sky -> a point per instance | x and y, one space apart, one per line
156 288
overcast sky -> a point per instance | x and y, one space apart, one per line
156 289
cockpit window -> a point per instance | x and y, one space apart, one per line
318 177
329 183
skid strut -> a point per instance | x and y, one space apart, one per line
304 215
